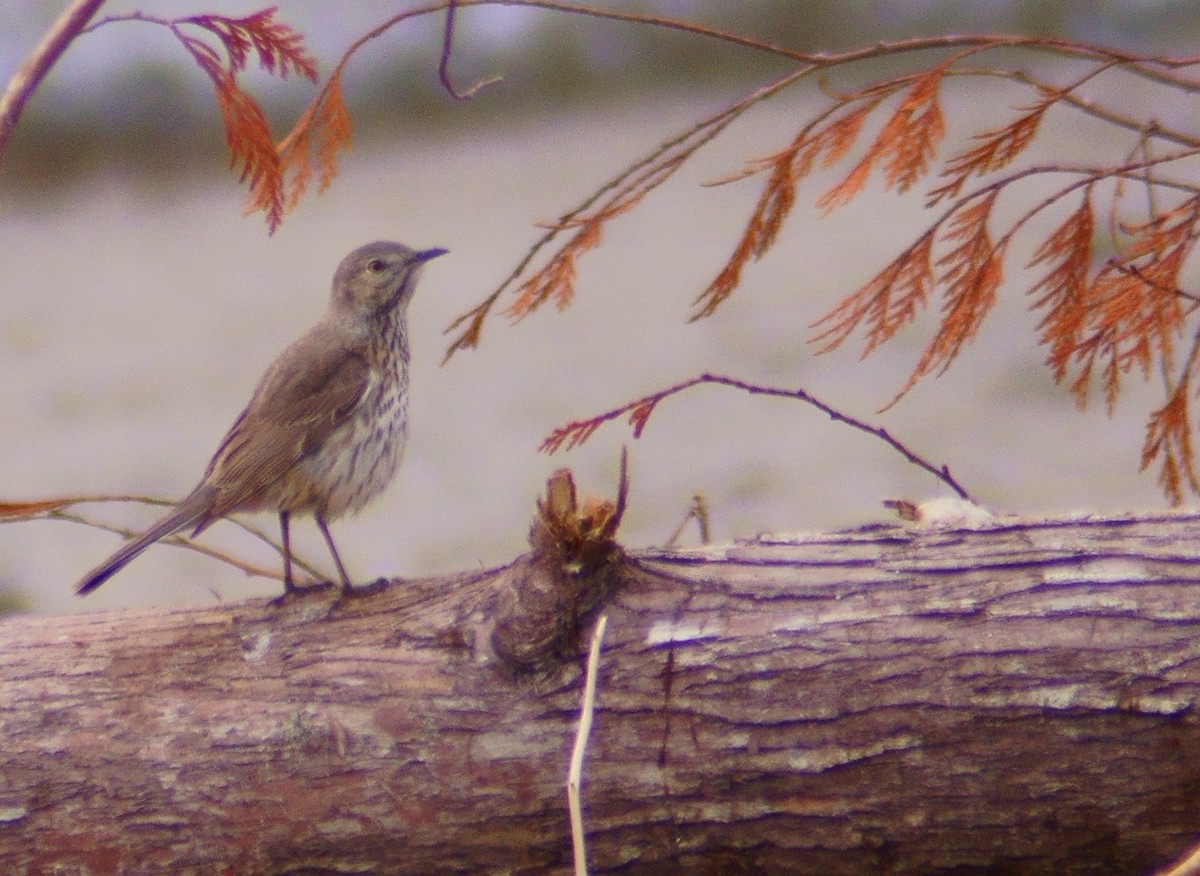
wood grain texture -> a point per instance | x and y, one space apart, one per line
1016 699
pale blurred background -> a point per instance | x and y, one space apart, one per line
139 306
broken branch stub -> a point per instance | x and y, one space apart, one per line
573 568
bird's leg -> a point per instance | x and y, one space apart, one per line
347 588
289 586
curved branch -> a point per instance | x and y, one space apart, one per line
444 63
578 431
30 75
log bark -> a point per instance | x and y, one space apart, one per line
1018 698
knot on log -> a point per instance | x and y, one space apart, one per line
571 571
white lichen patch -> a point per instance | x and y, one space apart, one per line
953 513
255 647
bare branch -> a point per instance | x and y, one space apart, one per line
57 509
575 433
444 63
30 74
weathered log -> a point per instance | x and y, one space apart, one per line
1012 699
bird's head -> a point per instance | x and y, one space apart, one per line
378 277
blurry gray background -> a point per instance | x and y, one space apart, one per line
138 307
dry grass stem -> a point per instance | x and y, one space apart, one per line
575 775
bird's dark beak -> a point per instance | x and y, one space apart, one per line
427 254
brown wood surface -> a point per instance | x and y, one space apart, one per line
1016 699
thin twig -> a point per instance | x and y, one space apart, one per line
1103 113
178 541
444 63
578 431
1133 170
575 775
56 509
136 15
697 511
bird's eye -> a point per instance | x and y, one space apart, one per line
376 266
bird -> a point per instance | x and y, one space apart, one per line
324 431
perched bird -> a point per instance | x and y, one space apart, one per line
324 432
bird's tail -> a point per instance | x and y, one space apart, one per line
191 510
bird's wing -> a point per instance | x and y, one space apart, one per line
310 390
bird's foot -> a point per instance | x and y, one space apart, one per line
364 590
292 591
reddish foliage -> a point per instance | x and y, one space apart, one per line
1169 436
1132 312
971 275
556 279
994 150
1169 440
572 434
280 51
890 301
29 509
313 145
1062 292
640 415
1100 321
905 145
778 198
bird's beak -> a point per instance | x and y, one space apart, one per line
427 254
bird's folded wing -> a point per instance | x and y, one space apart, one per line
308 392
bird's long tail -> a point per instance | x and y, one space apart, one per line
191 510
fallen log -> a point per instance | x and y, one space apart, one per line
1013 698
